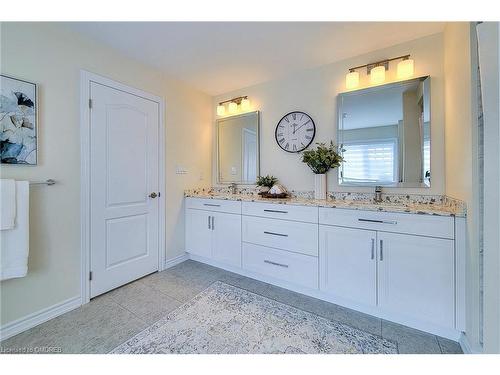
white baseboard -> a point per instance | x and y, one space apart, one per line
39 317
175 261
466 346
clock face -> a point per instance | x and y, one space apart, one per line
295 131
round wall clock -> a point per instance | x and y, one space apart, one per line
295 131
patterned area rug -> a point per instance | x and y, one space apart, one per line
226 319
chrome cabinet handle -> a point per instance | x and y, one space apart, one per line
209 222
213 223
373 248
276 234
277 211
379 221
381 250
276 264
211 205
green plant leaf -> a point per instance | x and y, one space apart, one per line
323 158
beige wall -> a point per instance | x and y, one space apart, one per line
314 91
52 56
461 154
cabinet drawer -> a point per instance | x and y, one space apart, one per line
294 268
424 225
286 235
216 205
281 211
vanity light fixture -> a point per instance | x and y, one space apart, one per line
352 79
221 110
232 107
245 104
377 75
376 71
405 68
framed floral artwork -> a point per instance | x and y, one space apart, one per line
18 121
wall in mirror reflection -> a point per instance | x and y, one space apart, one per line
238 148
385 135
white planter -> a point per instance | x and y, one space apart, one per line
320 186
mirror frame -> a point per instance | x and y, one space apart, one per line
340 140
218 121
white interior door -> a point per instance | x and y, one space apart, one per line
123 174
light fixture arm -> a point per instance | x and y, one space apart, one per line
385 63
234 100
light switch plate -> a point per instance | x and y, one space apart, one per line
180 170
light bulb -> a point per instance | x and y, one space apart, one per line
221 110
377 75
352 80
245 104
405 68
233 107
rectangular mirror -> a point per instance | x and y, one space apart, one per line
238 148
385 135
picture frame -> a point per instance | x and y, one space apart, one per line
18 121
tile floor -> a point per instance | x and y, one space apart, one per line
116 316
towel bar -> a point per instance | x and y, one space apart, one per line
49 182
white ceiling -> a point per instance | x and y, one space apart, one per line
217 57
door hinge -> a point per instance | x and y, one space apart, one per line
159 194
90 103
90 275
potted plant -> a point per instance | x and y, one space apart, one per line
320 160
266 182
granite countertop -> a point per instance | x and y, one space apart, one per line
443 208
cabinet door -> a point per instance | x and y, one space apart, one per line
227 238
348 263
199 232
416 277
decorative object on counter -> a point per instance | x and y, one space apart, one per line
18 121
295 132
321 160
266 183
277 191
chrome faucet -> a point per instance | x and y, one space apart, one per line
378 194
233 187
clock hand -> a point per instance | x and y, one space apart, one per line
298 128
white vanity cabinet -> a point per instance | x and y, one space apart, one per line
348 263
403 267
411 276
213 230
416 277
281 242
199 232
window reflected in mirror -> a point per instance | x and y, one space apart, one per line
385 135
238 148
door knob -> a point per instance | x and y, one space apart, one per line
153 195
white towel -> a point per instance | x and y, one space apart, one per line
7 204
14 243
